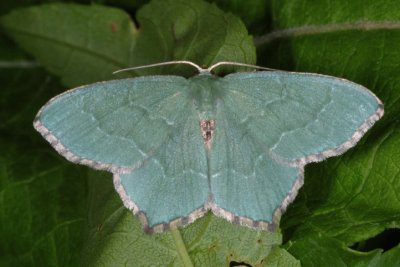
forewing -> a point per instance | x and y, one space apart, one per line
117 123
299 116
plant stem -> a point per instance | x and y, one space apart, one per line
181 248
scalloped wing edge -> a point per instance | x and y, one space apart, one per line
209 206
339 150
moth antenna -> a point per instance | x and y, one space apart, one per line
236 64
201 70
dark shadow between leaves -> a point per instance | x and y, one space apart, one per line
385 240
235 263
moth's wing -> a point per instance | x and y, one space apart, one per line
304 116
171 187
268 126
145 131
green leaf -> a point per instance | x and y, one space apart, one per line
254 13
354 197
41 221
40 224
326 251
178 29
348 200
390 258
279 257
84 44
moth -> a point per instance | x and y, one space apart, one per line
234 145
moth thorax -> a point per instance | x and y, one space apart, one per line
207 130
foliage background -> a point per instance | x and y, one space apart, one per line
54 213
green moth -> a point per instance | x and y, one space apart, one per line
235 145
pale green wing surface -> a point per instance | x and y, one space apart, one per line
118 122
299 115
144 131
172 184
245 182
268 125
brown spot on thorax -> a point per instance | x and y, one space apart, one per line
207 130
